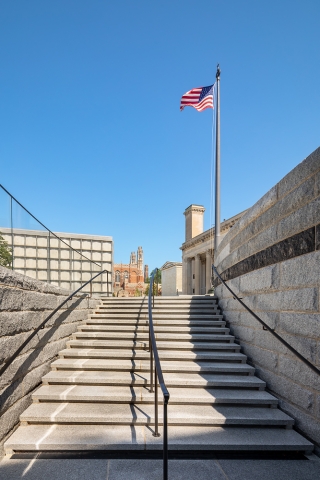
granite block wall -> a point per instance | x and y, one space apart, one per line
271 259
24 304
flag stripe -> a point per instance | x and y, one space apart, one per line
192 97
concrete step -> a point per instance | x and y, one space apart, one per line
145 329
168 337
156 311
182 379
159 317
144 355
160 300
213 322
136 345
126 394
62 438
130 414
144 366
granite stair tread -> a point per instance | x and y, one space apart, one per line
134 321
165 316
65 412
101 393
143 354
157 328
101 377
159 336
131 344
144 365
35 438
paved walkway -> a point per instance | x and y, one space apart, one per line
104 469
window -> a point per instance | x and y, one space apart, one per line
117 276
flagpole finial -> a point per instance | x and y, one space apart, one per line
218 72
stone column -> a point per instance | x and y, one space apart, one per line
191 277
208 269
185 268
197 274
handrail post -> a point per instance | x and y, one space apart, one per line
165 439
152 295
108 283
12 244
151 363
157 283
91 289
156 416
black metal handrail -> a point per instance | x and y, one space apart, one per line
157 376
52 233
9 361
266 326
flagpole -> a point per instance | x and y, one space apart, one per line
217 236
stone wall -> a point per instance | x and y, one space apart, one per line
171 279
24 304
271 258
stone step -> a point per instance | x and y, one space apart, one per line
159 317
62 438
161 307
168 337
160 300
156 311
129 394
100 377
136 345
144 355
157 328
130 414
144 366
93 320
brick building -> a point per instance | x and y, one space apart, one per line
129 279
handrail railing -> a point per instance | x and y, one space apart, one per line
157 376
9 361
266 326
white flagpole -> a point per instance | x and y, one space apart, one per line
217 177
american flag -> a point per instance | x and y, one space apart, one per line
199 98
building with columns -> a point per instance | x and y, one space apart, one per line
198 250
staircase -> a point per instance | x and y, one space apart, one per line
96 396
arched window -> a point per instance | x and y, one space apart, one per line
126 274
117 277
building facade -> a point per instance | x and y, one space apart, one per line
171 278
129 279
66 263
198 250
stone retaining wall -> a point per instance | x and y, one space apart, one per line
24 304
271 258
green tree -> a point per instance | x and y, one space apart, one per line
157 277
5 253
156 291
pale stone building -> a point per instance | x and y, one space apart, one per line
42 256
198 250
171 278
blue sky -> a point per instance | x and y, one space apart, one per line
91 136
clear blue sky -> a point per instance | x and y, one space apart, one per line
91 136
